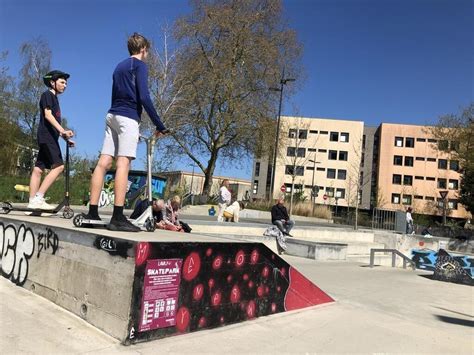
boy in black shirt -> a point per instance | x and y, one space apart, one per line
49 130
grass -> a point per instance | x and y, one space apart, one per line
79 188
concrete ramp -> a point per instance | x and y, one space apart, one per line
144 286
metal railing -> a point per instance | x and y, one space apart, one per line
394 252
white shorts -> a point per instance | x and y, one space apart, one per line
121 136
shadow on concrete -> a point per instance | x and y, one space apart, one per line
457 321
369 265
451 311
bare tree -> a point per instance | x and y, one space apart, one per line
231 52
355 181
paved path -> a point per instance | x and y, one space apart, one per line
380 310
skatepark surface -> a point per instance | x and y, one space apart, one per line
380 310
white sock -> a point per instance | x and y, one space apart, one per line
39 195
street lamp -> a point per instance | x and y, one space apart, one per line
313 193
283 81
192 180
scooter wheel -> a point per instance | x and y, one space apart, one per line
6 207
68 213
150 225
78 219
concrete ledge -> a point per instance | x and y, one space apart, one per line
316 250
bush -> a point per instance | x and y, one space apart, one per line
299 209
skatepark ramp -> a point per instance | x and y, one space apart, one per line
144 286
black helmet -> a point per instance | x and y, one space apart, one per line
54 75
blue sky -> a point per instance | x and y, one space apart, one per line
406 61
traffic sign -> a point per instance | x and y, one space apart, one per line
443 194
283 188
325 197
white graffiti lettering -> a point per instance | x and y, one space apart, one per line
16 249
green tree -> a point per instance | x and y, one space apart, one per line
231 53
455 134
36 58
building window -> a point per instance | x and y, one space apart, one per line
430 159
454 146
322 150
363 141
421 139
418 197
290 151
332 155
343 155
341 193
407 180
311 150
300 152
396 199
453 184
396 179
320 169
453 204
397 160
440 202
331 174
257 168
429 178
323 132
441 183
303 134
362 160
453 165
398 141
330 191
255 186
443 145
345 137
294 170
410 142
429 198
408 161
442 164
341 174
431 140
420 158
406 200
310 168
313 132
419 178
292 133
334 137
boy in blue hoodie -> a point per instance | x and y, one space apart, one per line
129 95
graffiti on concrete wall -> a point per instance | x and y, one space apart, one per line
448 268
220 283
48 241
112 246
17 246
426 259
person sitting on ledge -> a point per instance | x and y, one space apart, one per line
231 213
170 216
280 217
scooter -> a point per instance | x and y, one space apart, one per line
6 207
145 221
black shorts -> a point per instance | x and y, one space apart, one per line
49 156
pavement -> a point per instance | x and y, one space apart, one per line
380 310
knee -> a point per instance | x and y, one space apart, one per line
59 168
123 163
37 171
104 164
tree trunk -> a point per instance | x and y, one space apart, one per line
211 165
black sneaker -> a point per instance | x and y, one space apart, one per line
122 225
92 217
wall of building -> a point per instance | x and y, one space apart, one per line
316 139
414 174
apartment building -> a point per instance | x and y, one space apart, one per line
314 151
392 166
412 171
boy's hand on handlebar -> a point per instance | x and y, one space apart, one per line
70 143
67 134
161 133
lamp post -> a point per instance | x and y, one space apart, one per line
313 192
192 180
283 81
